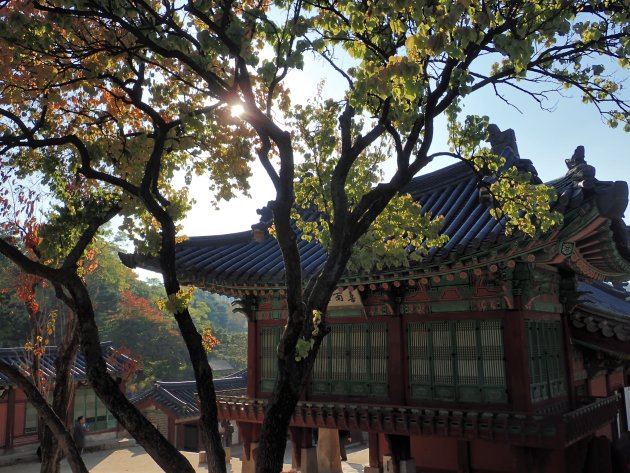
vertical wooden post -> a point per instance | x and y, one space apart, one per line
308 457
463 456
396 363
10 427
517 365
253 374
399 446
295 434
250 433
568 361
375 454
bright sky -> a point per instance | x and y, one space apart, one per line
547 138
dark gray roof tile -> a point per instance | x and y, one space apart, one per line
237 260
21 357
180 397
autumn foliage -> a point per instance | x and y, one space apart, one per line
107 102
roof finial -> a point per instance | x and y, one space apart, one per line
577 158
502 140
581 173
260 229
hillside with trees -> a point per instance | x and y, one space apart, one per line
127 313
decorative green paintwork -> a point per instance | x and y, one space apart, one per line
577 219
546 359
459 360
352 361
539 289
346 312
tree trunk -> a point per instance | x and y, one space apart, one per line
273 435
205 390
209 420
292 374
147 435
286 394
49 417
62 393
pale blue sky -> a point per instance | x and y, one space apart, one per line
547 138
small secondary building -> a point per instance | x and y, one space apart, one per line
18 418
173 407
495 353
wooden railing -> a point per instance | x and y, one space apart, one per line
550 431
581 422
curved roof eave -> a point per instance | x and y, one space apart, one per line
225 262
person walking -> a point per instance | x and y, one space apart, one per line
344 437
79 433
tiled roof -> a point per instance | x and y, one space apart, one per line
603 310
20 357
453 192
604 298
218 364
180 397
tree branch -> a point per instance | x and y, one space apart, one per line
48 415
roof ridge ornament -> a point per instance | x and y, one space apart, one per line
259 229
503 144
581 173
502 141
611 197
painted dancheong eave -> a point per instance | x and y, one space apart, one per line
593 240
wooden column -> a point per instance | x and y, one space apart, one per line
253 376
463 456
250 435
375 454
396 363
401 460
517 365
304 455
295 433
568 361
10 426
399 446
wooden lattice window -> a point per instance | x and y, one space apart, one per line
88 405
269 339
546 359
460 360
352 361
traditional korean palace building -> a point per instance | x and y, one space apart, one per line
173 407
494 354
19 426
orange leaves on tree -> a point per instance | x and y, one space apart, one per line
125 363
25 289
31 235
132 305
208 339
88 264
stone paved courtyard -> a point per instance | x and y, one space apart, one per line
135 460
